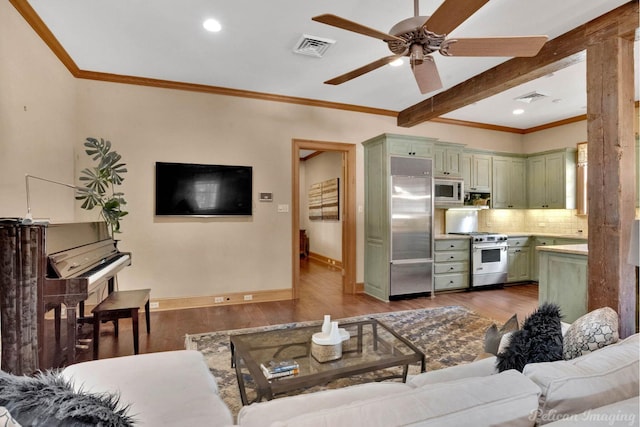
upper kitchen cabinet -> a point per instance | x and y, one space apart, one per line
509 183
447 159
476 172
405 145
551 179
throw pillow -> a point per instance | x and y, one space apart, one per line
49 400
493 335
6 420
539 340
590 332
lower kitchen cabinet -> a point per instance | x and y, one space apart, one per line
519 260
451 264
538 241
563 281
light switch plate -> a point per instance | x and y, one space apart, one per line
283 208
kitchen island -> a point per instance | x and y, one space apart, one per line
562 278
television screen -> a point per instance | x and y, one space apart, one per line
184 189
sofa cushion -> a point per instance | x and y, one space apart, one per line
595 379
506 399
539 340
165 388
477 368
590 332
264 413
623 413
47 399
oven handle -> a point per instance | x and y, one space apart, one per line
489 246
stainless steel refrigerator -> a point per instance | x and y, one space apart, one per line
411 227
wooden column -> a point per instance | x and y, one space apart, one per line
611 175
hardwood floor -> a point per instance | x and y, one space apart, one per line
320 293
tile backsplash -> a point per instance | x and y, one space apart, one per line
556 221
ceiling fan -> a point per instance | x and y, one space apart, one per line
419 36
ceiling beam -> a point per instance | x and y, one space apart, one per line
556 54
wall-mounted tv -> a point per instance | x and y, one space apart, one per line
185 189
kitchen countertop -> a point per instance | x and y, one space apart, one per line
581 236
451 236
581 249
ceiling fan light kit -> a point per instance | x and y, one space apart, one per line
419 36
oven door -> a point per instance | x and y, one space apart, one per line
489 261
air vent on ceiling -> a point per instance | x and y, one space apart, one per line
531 97
312 46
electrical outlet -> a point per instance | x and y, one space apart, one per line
154 304
218 299
248 297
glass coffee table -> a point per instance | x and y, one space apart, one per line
372 347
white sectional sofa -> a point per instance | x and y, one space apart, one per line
176 388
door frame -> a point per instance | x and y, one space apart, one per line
348 210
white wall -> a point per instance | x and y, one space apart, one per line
175 257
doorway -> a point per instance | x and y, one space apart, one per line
348 210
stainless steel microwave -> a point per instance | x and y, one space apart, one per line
448 192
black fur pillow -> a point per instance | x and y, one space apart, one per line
539 340
49 400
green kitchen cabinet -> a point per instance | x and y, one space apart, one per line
447 159
563 281
377 218
405 145
538 241
551 179
518 259
476 172
451 264
509 183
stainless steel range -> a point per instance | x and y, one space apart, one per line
489 251
489 255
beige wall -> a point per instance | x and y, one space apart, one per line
566 136
37 123
325 236
176 257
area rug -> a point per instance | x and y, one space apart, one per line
448 336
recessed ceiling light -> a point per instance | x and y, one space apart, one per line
212 25
398 62
518 111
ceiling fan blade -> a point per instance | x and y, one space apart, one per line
452 13
362 70
345 24
426 74
494 46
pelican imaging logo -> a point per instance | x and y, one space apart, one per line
606 418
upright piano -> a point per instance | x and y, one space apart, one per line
78 260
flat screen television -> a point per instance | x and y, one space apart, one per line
185 189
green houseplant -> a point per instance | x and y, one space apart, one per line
101 181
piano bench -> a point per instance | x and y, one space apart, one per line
121 305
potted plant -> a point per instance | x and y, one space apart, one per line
101 182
